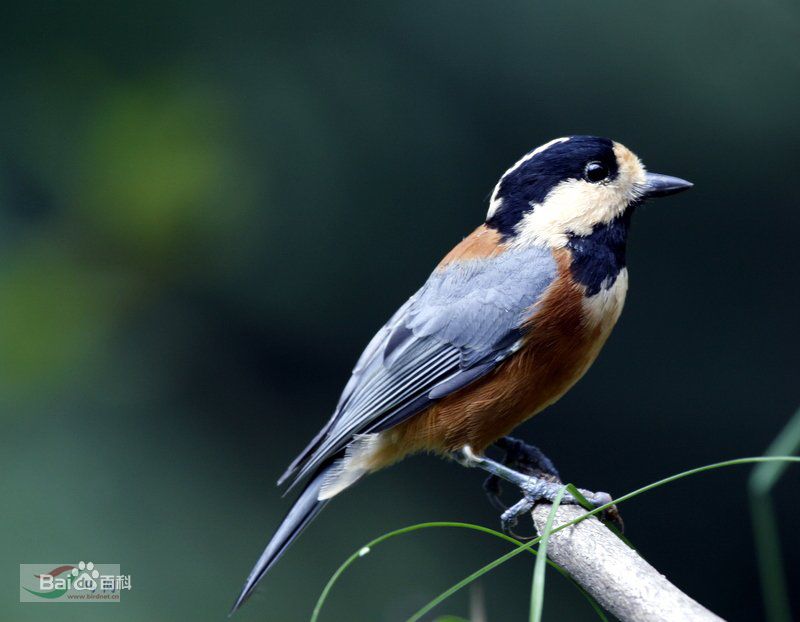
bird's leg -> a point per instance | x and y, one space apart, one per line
543 486
522 457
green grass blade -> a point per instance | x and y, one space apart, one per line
763 479
364 550
667 480
537 587
583 501
770 561
765 475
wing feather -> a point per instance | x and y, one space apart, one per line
465 320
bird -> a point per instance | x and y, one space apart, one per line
508 321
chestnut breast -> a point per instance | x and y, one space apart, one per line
562 337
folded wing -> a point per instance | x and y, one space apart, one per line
465 320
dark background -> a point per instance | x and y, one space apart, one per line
207 210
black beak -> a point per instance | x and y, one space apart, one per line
663 185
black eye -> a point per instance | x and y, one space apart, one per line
595 171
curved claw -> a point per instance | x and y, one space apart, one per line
507 523
509 518
509 529
612 515
609 515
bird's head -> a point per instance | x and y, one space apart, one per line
569 187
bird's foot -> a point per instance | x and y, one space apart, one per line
539 482
537 490
521 457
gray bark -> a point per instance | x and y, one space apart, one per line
616 575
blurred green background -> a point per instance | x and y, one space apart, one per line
206 210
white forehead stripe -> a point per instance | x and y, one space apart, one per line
495 202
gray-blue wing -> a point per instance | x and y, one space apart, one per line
456 328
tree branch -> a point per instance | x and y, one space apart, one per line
618 578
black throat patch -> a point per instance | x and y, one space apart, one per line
598 258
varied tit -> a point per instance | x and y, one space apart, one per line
508 321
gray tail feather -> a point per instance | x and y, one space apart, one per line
303 456
304 510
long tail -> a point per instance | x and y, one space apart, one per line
304 510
